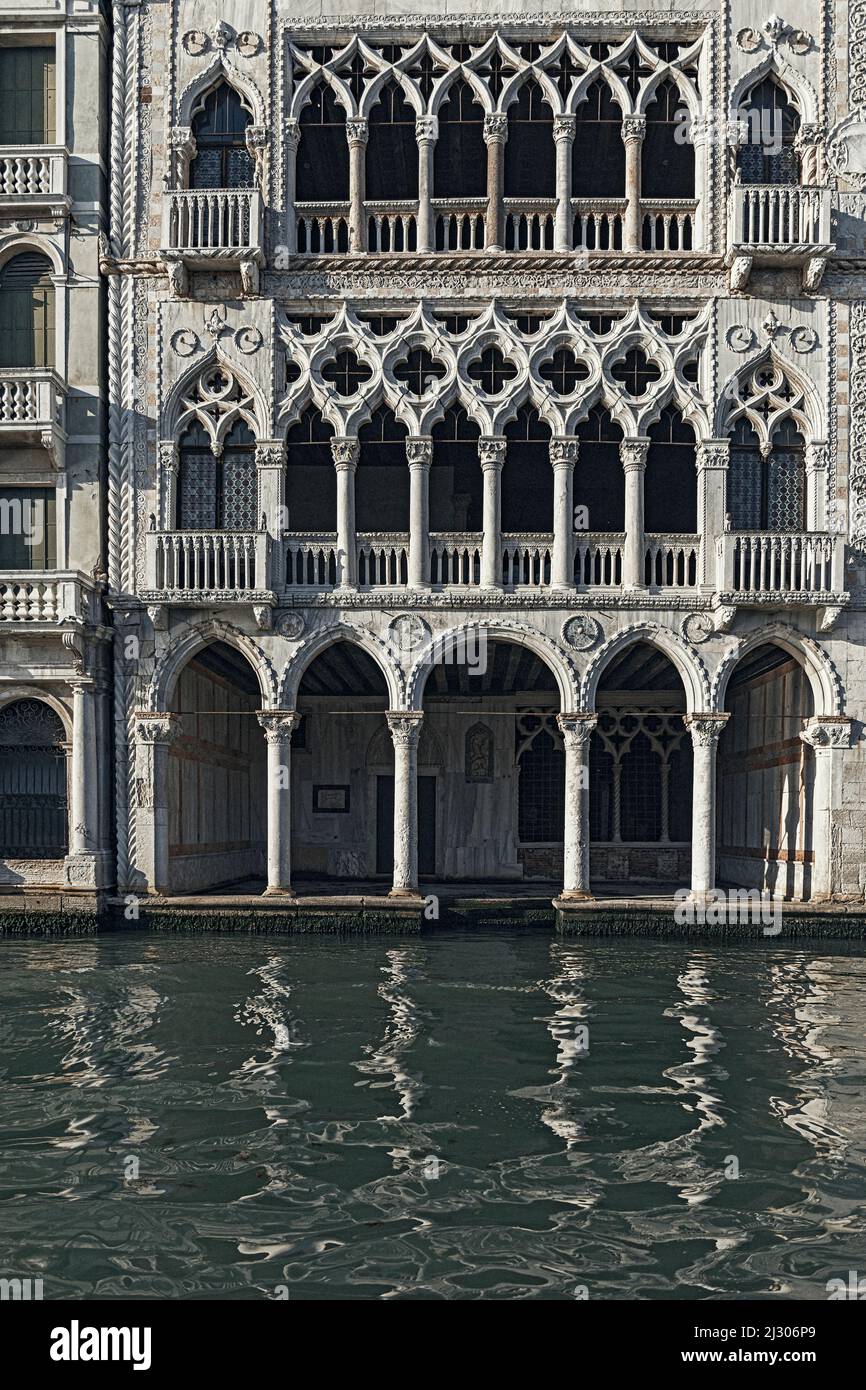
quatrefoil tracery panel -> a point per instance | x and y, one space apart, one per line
491 368
765 395
216 398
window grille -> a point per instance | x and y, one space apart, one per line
222 159
33 795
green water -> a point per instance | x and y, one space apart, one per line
247 1118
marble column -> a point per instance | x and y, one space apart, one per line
495 136
633 453
576 729
426 134
712 466
705 730
419 454
271 472
357 134
84 790
491 451
405 729
291 138
345 451
278 726
154 735
633 131
564 129
817 465
168 465
828 736
563 457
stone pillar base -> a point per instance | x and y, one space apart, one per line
279 893
404 893
575 896
87 869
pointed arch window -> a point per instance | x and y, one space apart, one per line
667 160
456 480
541 787
27 311
530 156
773 122
392 151
459 158
598 152
671 482
217 492
311 482
323 153
527 477
222 159
599 482
766 490
382 479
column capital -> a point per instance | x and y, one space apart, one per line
705 729
357 130
713 453
633 127
426 129
292 131
817 456
633 453
157 727
345 450
564 127
278 724
828 732
491 450
270 453
419 450
564 450
168 455
576 728
495 129
405 726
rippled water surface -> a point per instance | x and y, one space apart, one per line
421 1118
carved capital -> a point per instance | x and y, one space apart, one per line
564 127
633 127
564 450
705 729
278 724
426 129
495 130
357 131
713 453
292 132
345 451
157 729
270 454
419 451
830 732
167 456
633 453
576 729
405 726
491 450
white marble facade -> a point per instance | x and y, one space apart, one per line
233 311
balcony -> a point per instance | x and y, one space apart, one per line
194 567
786 566
781 226
32 410
33 179
52 598
213 229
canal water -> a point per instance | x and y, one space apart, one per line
461 1116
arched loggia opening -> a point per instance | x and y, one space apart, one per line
491 707
216 792
392 150
598 152
460 158
527 478
341 799
667 155
322 174
766 773
640 772
530 155
769 154
382 500
219 129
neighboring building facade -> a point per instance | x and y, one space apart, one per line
56 831
479 417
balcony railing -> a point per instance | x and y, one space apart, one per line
668 224
458 224
392 227
455 558
32 597
775 215
526 560
598 559
322 229
207 562
32 174
672 562
213 223
786 562
32 408
383 560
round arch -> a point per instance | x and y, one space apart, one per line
688 664
828 693
14 245
193 640
444 644
10 695
298 663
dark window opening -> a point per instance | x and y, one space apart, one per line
670 484
311 481
33 790
541 792
492 371
419 372
323 152
382 477
456 480
635 372
564 371
773 122
222 159
27 96
598 153
766 494
599 482
392 150
217 493
667 157
346 373
28 529
527 477
460 155
530 156
27 311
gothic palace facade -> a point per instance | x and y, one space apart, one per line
448 436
